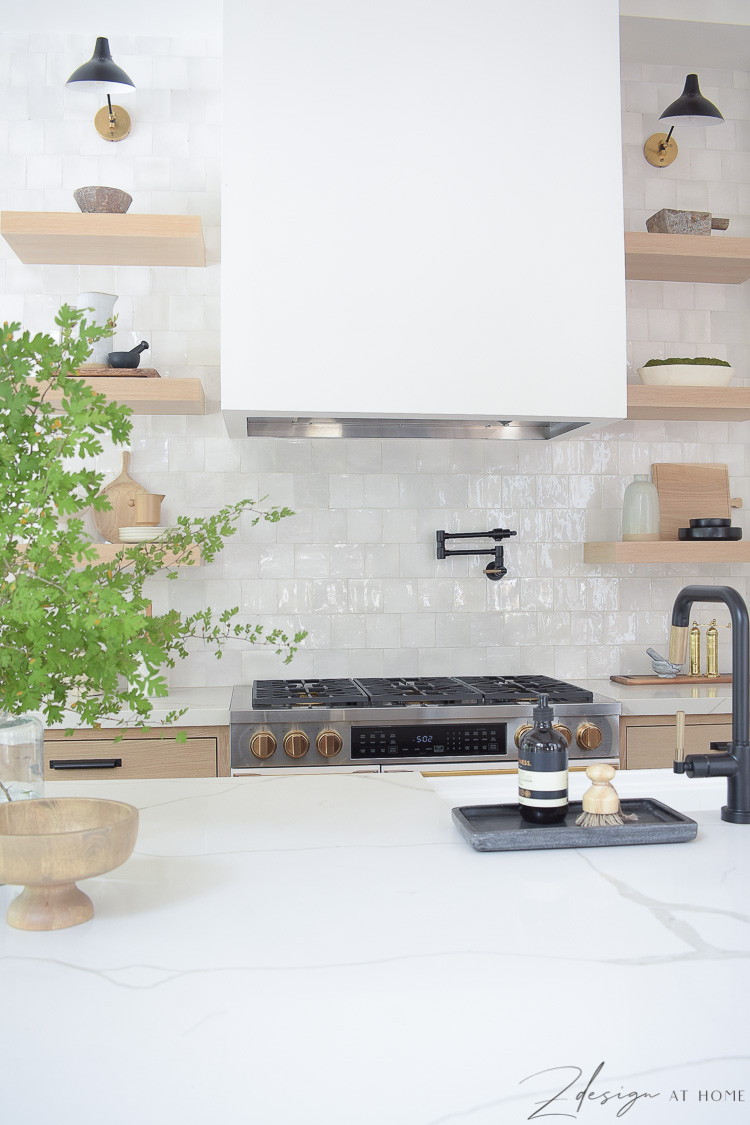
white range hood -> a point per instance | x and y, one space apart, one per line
422 218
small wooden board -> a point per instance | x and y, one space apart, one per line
121 494
670 681
689 491
98 371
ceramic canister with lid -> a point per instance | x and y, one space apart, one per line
640 510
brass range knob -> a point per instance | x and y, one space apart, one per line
329 743
522 730
263 744
589 736
296 744
566 732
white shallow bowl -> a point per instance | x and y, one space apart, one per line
140 534
686 375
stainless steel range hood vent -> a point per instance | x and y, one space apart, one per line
460 428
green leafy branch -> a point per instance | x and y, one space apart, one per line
75 632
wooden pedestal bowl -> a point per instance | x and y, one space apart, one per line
46 844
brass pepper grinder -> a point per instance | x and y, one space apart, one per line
695 650
712 649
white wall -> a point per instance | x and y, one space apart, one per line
356 565
91 18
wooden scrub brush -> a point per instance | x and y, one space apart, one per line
601 805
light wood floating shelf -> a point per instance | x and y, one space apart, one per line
686 257
149 396
689 404
666 551
68 238
107 552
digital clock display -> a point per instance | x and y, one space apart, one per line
429 740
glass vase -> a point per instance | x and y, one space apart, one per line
21 757
640 511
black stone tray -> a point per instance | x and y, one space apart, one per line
500 828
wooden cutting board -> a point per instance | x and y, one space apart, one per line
691 491
670 681
121 493
97 371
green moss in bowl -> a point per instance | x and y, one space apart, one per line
699 372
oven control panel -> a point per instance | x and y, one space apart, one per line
429 741
325 742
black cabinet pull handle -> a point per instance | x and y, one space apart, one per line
85 763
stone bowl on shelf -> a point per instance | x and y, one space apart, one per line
102 200
49 843
686 375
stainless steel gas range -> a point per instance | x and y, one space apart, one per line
430 724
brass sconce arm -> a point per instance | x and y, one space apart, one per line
112 122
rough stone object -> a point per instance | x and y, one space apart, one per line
668 221
102 200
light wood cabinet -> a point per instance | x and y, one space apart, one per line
648 741
94 754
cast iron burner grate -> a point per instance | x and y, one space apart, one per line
270 694
436 690
445 691
525 689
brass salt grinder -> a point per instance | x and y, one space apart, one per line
712 648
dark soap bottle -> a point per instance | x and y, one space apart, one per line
543 770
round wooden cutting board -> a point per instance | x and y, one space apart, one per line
121 494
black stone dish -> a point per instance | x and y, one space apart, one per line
500 828
703 533
711 521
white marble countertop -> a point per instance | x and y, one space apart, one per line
328 949
699 699
206 707
209 706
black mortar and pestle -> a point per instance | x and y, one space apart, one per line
127 359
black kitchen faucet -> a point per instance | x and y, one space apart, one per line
494 570
734 762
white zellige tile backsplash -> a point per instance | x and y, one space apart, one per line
356 565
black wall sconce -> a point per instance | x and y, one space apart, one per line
494 570
691 108
112 122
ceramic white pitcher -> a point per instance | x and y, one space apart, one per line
103 305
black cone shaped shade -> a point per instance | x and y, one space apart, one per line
99 71
691 108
